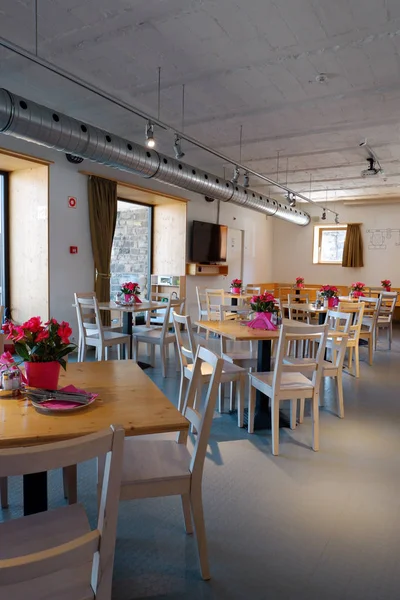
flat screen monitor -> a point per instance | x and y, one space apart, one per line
209 242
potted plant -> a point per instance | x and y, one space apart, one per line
386 284
43 348
357 289
300 282
330 293
131 291
236 286
264 306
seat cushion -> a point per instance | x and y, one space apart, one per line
148 460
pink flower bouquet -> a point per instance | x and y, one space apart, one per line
329 291
299 282
386 284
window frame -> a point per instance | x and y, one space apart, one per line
4 215
317 243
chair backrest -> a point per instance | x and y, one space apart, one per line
186 348
371 311
178 304
229 312
253 289
356 309
301 334
214 298
298 298
387 304
88 313
201 417
201 301
296 313
22 461
339 321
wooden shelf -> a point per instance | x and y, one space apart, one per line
206 270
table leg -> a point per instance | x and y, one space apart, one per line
234 301
321 318
127 328
262 417
35 493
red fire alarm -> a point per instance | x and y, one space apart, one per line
73 249
72 202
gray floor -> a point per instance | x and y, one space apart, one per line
303 525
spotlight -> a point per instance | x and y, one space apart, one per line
292 200
337 219
150 142
178 148
323 215
236 174
246 180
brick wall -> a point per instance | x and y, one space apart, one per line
130 255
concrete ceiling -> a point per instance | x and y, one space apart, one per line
252 63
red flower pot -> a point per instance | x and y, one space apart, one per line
388 289
333 301
43 374
235 290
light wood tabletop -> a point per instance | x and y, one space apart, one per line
127 397
234 330
306 307
142 307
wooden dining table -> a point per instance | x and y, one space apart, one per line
126 396
127 311
310 308
238 332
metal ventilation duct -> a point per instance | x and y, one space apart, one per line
29 121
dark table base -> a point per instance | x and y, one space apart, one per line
35 493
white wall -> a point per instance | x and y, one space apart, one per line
293 247
70 227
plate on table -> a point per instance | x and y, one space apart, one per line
63 407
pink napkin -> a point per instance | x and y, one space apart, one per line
57 405
262 322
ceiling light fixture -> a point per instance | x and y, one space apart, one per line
291 198
246 180
178 147
323 215
150 141
236 175
337 219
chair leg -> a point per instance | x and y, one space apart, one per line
163 361
187 515
177 363
275 425
252 409
198 519
221 393
153 355
128 350
4 492
301 413
357 360
182 392
370 350
83 353
293 414
135 349
232 395
339 388
119 351
315 422
390 329
70 484
240 400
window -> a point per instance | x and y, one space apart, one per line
3 239
131 251
329 244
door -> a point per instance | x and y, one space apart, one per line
234 254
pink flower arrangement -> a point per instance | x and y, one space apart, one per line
358 286
236 283
130 288
386 284
263 303
300 282
35 341
329 291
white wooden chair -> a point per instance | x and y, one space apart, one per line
241 358
156 468
230 372
253 289
55 554
356 309
285 384
385 317
92 332
202 307
298 298
214 298
337 322
159 336
369 322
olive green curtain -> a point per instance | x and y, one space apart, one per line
353 247
102 195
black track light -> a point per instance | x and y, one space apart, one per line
323 215
178 147
236 175
150 141
246 180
